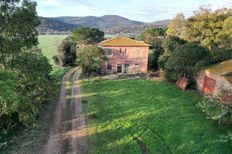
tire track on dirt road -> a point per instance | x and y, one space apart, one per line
68 131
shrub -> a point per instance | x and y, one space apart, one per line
217 109
185 61
220 55
170 43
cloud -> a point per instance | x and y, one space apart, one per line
145 10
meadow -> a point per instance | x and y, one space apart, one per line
130 116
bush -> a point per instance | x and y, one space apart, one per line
220 55
186 60
217 109
170 43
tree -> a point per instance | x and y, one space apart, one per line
85 35
153 36
89 57
170 43
66 55
18 25
210 29
176 26
186 60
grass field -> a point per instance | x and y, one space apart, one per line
130 116
49 45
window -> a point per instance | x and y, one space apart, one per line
137 52
125 51
108 52
109 66
120 51
137 68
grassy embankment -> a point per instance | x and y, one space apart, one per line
130 116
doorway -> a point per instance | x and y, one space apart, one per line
119 68
126 68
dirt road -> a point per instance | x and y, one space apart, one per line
69 130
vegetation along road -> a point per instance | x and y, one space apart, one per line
68 131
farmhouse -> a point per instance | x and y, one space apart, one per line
215 79
125 55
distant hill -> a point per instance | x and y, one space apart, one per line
104 22
50 25
111 24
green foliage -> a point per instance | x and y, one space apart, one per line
18 26
226 138
169 45
176 26
24 89
24 81
66 53
89 57
153 36
217 109
211 29
85 35
186 60
220 55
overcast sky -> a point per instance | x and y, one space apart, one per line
140 10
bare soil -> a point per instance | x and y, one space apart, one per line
68 131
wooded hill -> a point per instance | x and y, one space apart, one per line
111 24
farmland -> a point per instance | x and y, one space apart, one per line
130 116
49 44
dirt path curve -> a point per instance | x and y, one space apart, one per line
68 131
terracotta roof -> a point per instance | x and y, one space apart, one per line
123 41
223 69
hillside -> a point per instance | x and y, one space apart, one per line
104 22
110 24
50 25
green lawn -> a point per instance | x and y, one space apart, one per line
164 118
49 44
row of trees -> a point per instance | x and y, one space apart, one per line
24 72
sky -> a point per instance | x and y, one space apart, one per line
139 10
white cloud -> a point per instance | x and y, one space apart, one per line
145 10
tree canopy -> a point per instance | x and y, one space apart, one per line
176 26
89 57
186 60
85 35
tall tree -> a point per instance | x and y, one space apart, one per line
210 29
17 28
85 35
176 26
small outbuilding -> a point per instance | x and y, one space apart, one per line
215 79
